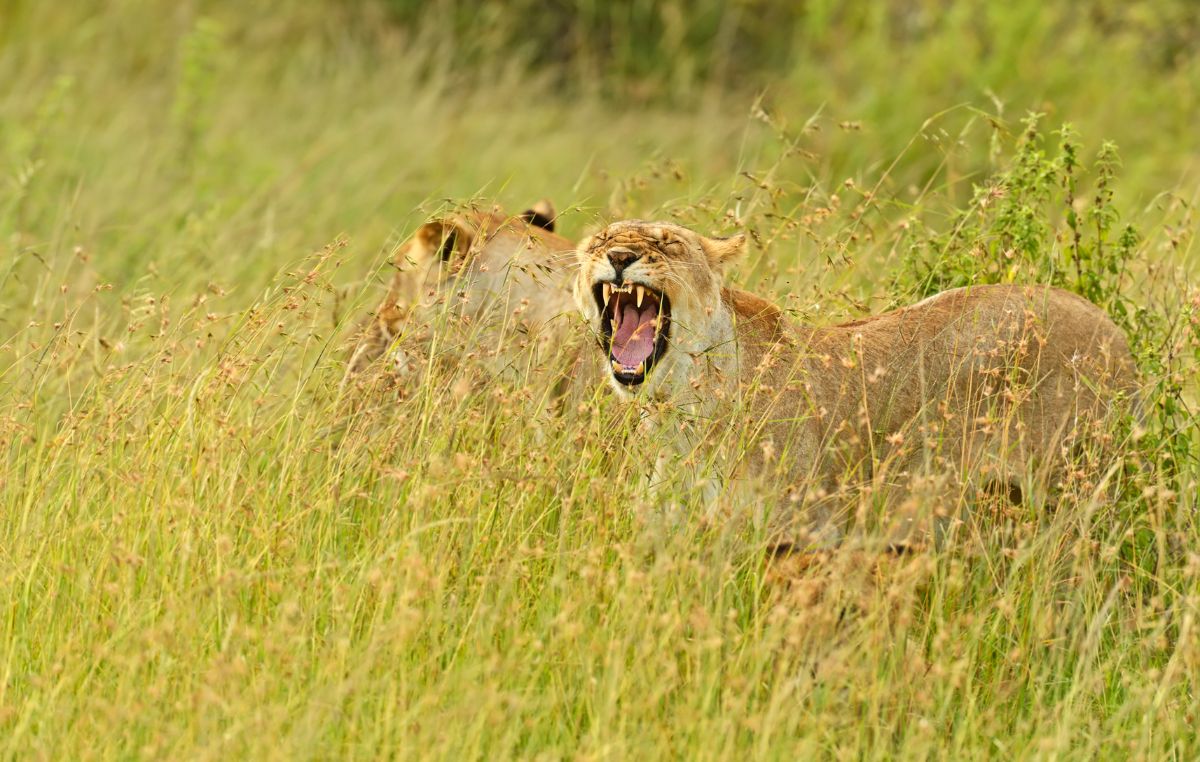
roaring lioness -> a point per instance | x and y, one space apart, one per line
989 384
503 274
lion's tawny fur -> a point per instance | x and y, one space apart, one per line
486 263
991 383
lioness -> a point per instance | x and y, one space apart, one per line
506 275
989 384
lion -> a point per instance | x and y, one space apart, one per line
508 277
990 385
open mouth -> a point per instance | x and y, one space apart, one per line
635 321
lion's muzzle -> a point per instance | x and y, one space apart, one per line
635 322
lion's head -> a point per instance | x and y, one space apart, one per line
486 257
482 265
652 291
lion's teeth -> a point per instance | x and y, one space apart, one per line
607 292
616 366
641 368
641 293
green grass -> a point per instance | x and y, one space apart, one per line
204 552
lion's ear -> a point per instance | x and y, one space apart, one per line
722 251
541 215
443 239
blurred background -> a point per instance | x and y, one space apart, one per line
229 138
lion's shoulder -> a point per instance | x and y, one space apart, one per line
756 317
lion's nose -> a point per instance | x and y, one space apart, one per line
622 258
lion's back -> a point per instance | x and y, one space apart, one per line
1035 327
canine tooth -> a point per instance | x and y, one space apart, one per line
641 293
616 366
641 368
607 292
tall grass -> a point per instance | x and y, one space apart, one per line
205 552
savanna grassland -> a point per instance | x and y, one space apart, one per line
208 551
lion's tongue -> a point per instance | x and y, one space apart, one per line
633 342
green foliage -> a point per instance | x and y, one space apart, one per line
1023 225
194 90
672 50
630 48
